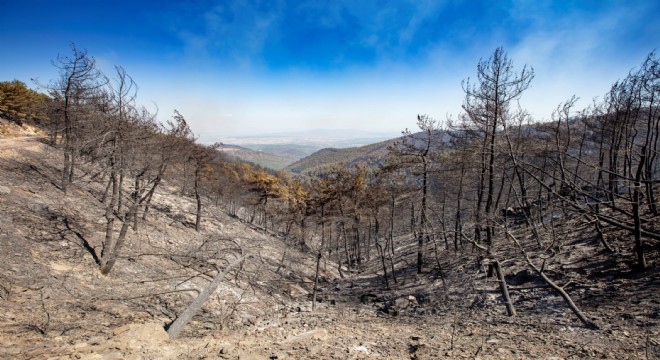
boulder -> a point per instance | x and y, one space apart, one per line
401 303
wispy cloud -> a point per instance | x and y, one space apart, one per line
582 51
230 33
309 34
368 64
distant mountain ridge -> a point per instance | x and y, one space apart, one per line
326 133
261 158
369 155
317 139
277 151
312 157
293 152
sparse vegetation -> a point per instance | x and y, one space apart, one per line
418 233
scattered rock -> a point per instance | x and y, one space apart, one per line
226 349
402 303
368 298
317 334
361 349
394 307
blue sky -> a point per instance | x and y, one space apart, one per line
252 67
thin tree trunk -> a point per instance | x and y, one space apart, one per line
580 315
109 242
337 246
348 254
422 222
636 204
175 328
149 196
137 200
108 261
505 290
388 249
120 198
104 198
198 217
381 252
316 280
358 247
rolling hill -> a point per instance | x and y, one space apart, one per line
261 158
368 155
293 152
277 151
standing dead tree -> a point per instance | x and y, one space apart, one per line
78 81
201 157
414 152
488 105
173 139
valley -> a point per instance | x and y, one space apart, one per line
494 235
57 305
277 151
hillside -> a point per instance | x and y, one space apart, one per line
369 155
56 304
291 152
259 157
277 151
52 291
325 158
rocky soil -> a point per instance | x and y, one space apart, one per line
56 304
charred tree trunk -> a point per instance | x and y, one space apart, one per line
198 198
381 252
639 246
316 279
504 289
422 219
175 328
109 258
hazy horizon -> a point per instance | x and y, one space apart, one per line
248 68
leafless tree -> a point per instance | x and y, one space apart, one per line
488 105
415 151
78 81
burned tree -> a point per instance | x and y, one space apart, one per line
78 82
487 106
414 152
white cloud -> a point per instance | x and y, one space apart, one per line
578 55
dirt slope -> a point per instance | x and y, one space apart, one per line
56 304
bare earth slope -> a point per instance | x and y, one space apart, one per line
56 304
